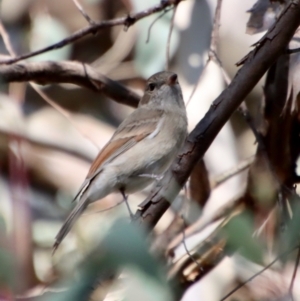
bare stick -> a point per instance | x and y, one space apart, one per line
258 273
52 103
185 246
294 273
61 110
47 144
154 21
106 209
77 73
216 26
200 224
93 29
169 38
212 47
85 15
246 114
231 172
198 82
21 213
6 40
226 76
255 64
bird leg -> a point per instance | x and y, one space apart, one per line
152 176
125 197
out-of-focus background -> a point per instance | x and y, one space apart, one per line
45 151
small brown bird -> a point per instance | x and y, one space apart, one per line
141 149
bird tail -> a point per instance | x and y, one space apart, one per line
71 219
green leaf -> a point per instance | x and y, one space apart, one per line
239 233
124 247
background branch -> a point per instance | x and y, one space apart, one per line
5 134
84 14
93 29
49 72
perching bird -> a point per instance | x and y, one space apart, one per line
141 149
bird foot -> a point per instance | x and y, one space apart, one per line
125 197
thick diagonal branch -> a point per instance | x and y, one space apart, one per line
257 62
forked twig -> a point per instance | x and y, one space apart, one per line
92 29
154 21
84 13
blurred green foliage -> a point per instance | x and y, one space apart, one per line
124 246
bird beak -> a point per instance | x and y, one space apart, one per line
172 80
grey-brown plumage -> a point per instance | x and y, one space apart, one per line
145 143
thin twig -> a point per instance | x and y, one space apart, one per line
291 51
106 209
217 60
216 26
294 273
65 113
154 21
224 211
21 213
8 45
85 15
248 118
258 61
258 273
261 144
198 82
6 40
169 37
212 47
47 144
125 21
57 107
52 103
185 246
231 172
212 56
259 138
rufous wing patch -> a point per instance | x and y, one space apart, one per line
138 126
108 151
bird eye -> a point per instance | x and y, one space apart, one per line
151 87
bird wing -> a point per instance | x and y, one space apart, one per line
140 124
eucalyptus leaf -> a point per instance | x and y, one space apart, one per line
239 234
124 246
289 233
